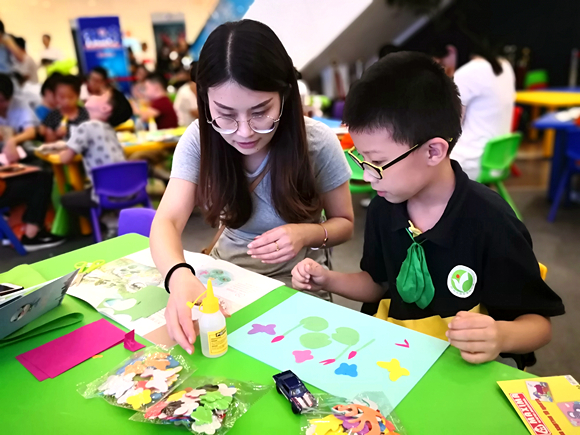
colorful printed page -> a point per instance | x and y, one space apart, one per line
339 350
235 286
546 405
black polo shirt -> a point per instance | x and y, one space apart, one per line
478 254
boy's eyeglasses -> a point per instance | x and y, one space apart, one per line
377 171
260 124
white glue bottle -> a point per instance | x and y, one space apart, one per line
212 326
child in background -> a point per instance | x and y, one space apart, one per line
48 98
160 106
97 141
186 104
68 114
97 83
444 255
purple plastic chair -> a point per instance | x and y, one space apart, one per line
136 220
571 168
119 186
6 232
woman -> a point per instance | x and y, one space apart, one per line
250 126
487 88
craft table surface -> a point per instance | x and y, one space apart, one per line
454 397
549 99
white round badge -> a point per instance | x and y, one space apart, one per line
461 281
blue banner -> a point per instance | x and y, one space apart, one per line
226 10
101 44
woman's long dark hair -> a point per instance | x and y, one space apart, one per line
249 53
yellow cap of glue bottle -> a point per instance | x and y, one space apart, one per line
212 325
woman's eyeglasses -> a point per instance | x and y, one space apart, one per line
261 124
377 171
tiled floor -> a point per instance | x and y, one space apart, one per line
556 245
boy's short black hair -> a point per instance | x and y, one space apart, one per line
157 78
101 71
69 80
2 30
50 83
20 42
121 108
408 94
6 86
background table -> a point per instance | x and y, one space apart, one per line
454 397
549 121
551 100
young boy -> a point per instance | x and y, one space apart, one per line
160 106
445 256
48 98
69 114
97 141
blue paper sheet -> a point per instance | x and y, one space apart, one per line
339 350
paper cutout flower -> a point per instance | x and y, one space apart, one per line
115 386
202 415
160 364
302 355
394 368
189 405
209 428
362 416
266 329
155 410
227 391
140 399
347 370
176 396
215 400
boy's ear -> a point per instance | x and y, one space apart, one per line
437 149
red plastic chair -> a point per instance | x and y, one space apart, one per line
517 116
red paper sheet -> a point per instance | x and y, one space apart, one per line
59 355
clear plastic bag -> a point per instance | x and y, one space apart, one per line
141 381
368 413
205 405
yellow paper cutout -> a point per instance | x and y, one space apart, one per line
176 396
394 368
142 398
329 425
97 356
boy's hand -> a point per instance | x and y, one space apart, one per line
476 335
309 275
50 148
10 150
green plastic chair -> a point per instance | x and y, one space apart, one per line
357 183
498 157
536 79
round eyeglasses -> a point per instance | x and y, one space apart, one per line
262 124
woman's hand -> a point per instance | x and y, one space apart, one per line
184 287
277 245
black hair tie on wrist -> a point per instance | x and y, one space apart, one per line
173 269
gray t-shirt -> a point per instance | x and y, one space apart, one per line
97 142
331 170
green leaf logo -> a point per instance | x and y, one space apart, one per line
461 281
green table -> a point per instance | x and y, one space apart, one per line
454 397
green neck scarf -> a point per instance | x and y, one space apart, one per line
414 282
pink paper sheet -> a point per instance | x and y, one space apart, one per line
59 355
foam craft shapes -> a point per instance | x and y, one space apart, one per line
176 396
195 393
377 342
209 428
160 378
327 424
62 354
227 391
394 368
216 400
139 399
130 392
115 385
202 415
189 405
